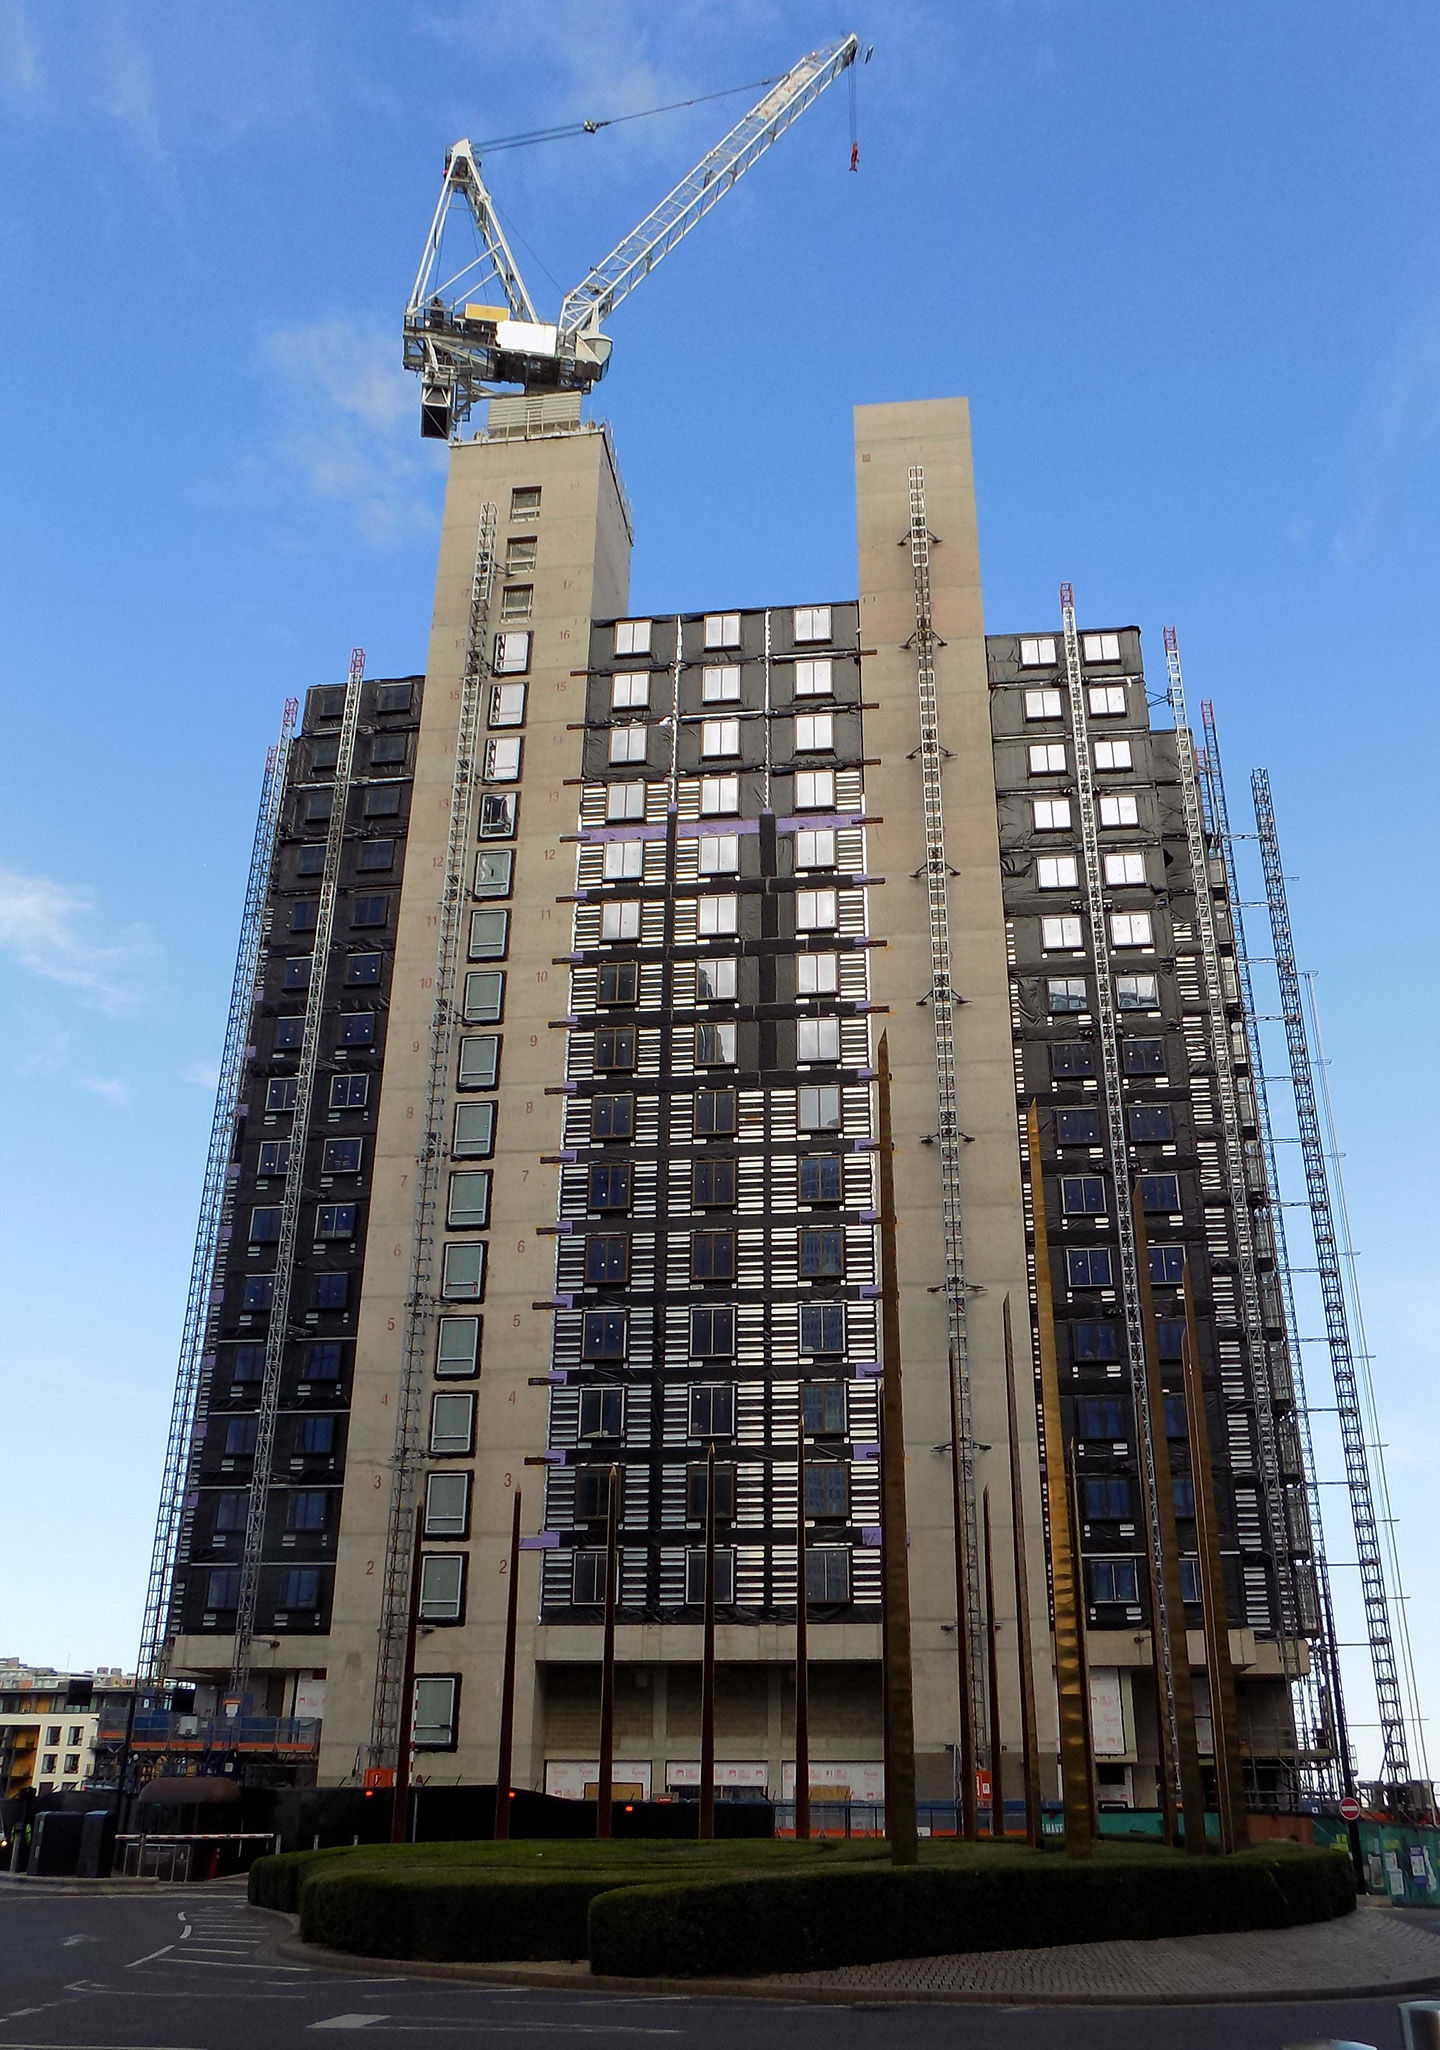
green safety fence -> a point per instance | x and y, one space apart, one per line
1402 1859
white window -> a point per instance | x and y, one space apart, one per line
815 733
1067 993
1047 758
479 1061
630 690
815 910
722 629
434 1723
632 636
1106 698
1137 992
812 622
1131 929
819 1110
815 850
721 684
1060 932
452 1422
463 1273
517 601
814 679
720 854
502 761
627 743
507 704
817 974
625 801
719 796
1113 754
512 654
1037 654
1052 814
620 921
1042 704
715 1045
720 737
467 1206
714 979
458 1350
1124 868
442 1587
718 915
1057 872
815 790
1119 811
817 1039
624 860
1100 647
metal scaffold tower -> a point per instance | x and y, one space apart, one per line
942 1006
1319 1696
279 1333
1385 1622
212 1237
395 1619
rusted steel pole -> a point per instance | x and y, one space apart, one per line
802 1649
707 1669
400 1802
604 1791
507 1684
1029 1740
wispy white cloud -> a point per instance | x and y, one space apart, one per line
111 1088
45 929
203 1075
1402 433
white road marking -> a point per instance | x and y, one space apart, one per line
350 2021
164 1951
69 1942
491 2028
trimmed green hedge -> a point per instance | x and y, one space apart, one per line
275 1882
468 1917
812 1921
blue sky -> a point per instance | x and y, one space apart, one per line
1185 264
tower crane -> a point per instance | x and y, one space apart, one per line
478 327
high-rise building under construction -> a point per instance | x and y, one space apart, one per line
550 1148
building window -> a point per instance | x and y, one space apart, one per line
587 1579
719 798
457 1352
1183 1487
452 1423
615 1047
463 1273
823 1408
258 1292
1138 993
713 1184
624 861
715 980
720 737
310 861
247 1364
607 1259
280 1094
632 637
1177 1423
603 1335
816 910
1131 929
1190 1588
630 690
822 1328
489 935
1122 810
724 1577
512 654
296 973
1042 704
335 1221
435 1723
232 1512
817 1039
1100 1416
525 502
817 974
720 684
697 1490
822 1253
322 1362
625 801
305 1509
349 1092
222 1591
620 922
815 791
1151 1121
1170 1337
1077 1127
719 854
602 1410
1100 647
1082 1195
1058 934
1113 1580
382 801
618 980
502 761
1106 699
264 1226
592 1494
387 750
474 1130
1160 1192
520 553
609 1185
1057 872
827 1570
507 704
712 1410
1094 1343
812 623
303 914
498 813
1047 758
1122 869
1113 754
1088 1268
712 1333
1144 1056
820 1179
1167 1265
318 806
715 1112
1037 653
1072 1057
612 1117
240 1434
376 854
712 1256
517 601
362 971
815 733
494 870
722 629
357 1028
442 1587
627 744
715 1045
447 1505
275 1156
820 1110
717 916
1052 814
814 679
1067 993
815 849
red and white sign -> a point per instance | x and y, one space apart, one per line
1350 1809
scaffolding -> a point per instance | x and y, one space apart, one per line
212 1237
278 1335
395 1617
1386 1632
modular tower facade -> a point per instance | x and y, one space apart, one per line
612 913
